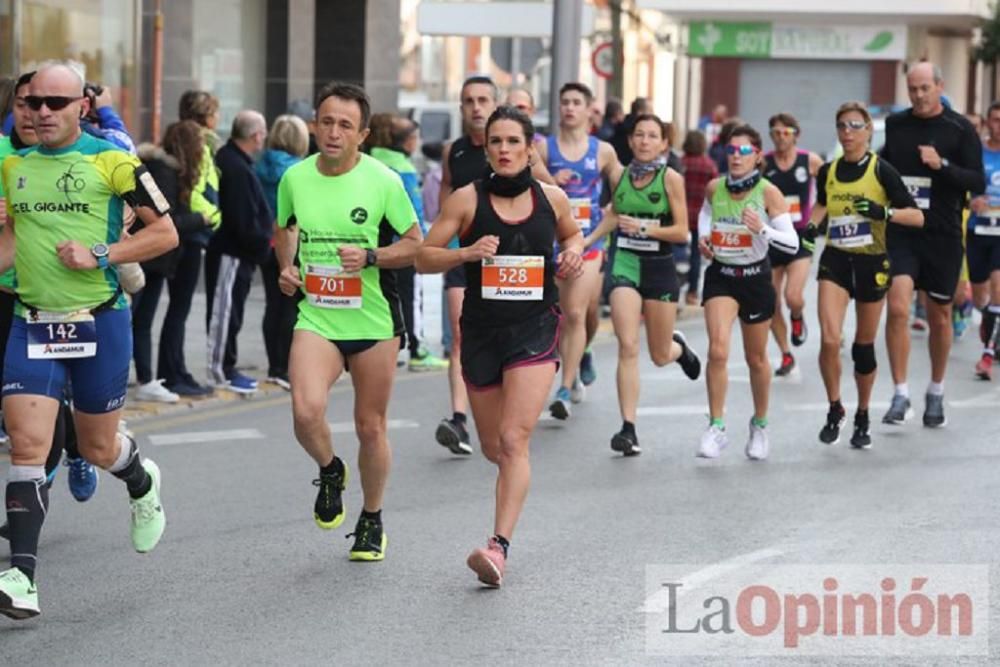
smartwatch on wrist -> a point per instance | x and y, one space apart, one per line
370 258
889 212
643 229
945 163
100 252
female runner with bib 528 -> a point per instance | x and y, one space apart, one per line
507 224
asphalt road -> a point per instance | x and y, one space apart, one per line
243 576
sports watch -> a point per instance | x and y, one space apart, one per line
100 252
370 257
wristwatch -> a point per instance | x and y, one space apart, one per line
643 229
889 212
945 163
100 252
370 257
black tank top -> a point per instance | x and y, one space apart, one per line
534 236
796 182
466 162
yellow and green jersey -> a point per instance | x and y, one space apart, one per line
366 207
77 193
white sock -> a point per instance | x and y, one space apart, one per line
124 454
26 474
935 388
903 389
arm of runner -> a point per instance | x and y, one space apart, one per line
540 172
434 255
608 159
7 244
286 240
608 224
677 231
705 221
779 231
815 162
965 172
401 217
445 175
569 262
157 236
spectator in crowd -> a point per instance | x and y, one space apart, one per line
698 170
287 144
640 105
241 242
7 88
391 141
596 118
103 121
174 167
614 115
711 124
430 197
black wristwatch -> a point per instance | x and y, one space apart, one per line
371 259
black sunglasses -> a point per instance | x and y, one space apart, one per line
53 102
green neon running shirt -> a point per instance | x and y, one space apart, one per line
366 207
76 193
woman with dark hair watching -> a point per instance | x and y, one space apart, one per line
287 144
392 140
507 224
175 167
742 217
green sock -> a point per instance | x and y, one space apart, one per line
762 423
717 422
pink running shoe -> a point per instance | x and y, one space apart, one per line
488 563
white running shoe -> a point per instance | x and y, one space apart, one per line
577 392
155 391
713 441
757 444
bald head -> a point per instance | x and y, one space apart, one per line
925 85
57 90
59 76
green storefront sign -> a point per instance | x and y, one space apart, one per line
781 40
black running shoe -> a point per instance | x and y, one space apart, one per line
453 435
862 437
787 365
625 442
830 435
689 361
329 509
369 540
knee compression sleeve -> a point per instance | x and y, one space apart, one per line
864 358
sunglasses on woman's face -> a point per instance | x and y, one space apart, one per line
53 102
786 132
855 125
743 149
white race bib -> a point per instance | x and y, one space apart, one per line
330 287
581 211
513 278
794 207
850 231
642 244
732 241
61 335
920 190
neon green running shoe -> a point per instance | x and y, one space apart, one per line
329 508
369 541
18 595
148 518
425 361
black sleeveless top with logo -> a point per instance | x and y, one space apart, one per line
795 184
466 162
520 280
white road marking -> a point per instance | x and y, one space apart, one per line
392 424
205 436
659 601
